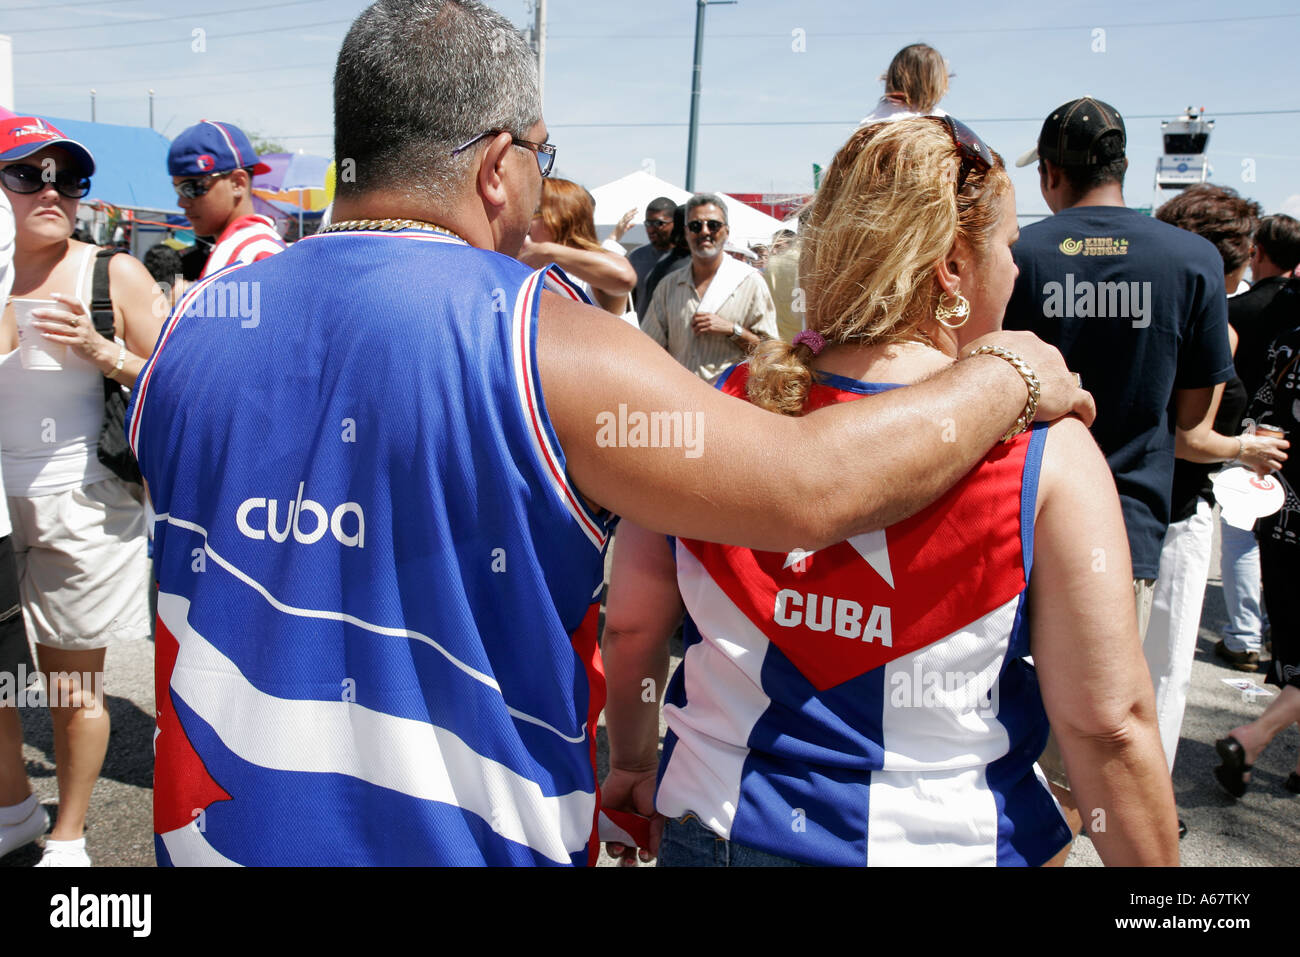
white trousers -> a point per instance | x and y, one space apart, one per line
1170 643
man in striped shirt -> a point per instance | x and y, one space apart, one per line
212 167
710 312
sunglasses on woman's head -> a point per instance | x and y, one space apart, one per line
25 179
975 153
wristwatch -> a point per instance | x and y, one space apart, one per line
737 332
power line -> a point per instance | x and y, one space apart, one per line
929 31
223 91
148 20
154 77
53 6
1000 119
186 39
984 119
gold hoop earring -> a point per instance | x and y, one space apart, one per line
960 309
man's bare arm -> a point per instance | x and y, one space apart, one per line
735 473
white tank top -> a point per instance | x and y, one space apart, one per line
50 423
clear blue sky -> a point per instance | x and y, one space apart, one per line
769 109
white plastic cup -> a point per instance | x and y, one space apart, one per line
36 352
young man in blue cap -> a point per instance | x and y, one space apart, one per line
212 167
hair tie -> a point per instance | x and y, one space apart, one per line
813 340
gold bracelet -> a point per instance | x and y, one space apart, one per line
1031 382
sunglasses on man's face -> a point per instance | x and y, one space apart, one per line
194 188
695 225
658 223
975 153
26 179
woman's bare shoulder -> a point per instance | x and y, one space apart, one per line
1070 456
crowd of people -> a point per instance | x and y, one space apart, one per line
851 470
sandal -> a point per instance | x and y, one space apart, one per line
1229 773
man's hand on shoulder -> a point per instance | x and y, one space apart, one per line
1060 390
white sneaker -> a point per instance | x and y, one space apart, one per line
65 854
14 836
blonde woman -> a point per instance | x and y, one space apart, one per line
871 703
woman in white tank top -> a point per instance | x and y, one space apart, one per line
78 531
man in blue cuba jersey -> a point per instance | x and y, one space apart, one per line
383 507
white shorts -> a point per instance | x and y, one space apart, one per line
83 568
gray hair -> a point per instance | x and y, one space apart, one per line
707 199
417 78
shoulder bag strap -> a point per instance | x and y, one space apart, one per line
101 300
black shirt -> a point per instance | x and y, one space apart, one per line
1259 315
1138 309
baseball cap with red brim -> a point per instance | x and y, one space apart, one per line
21 136
212 147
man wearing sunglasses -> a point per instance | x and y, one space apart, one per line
212 167
659 230
710 313
390 656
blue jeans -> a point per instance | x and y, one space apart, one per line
688 843
1239 566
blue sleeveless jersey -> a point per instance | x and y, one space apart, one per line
377 587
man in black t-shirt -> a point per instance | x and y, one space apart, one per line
1138 309
1136 306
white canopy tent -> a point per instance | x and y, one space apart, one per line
635 190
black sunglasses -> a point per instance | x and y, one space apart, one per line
657 223
695 225
545 151
25 179
194 188
975 153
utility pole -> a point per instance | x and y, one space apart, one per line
151 109
539 44
92 106
695 90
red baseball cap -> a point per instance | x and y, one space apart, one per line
21 136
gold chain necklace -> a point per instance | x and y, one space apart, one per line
390 225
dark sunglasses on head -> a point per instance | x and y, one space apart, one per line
975 153
194 188
25 179
695 225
